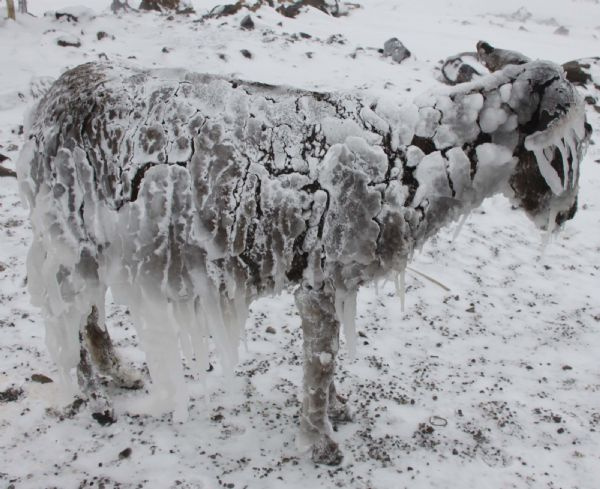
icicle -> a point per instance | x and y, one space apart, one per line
549 173
350 323
400 287
460 225
549 229
345 309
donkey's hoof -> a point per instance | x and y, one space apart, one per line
326 451
339 411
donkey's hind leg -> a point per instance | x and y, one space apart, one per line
338 409
103 355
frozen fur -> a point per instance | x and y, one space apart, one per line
191 195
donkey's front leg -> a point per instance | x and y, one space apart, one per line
320 327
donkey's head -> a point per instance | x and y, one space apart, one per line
553 137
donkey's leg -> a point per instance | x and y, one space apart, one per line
103 354
320 327
338 409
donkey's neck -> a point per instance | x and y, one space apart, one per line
452 183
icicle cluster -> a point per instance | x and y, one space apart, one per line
191 195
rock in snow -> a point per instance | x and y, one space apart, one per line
394 49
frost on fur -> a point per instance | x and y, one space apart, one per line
191 195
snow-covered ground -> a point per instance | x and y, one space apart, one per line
494 383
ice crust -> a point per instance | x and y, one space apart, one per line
189 196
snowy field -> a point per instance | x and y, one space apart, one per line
494 383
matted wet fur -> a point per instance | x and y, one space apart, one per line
190 196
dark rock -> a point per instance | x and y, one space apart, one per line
336 39
68 41
12 147
304 35
103 35
3 158
396 50
578 71
165 50
562 31
11 394
159 5
270 330
225 10
124 453
246 53
334 9
41 379
104 418
66 16
247 23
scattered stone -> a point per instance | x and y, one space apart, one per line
334 8
222 56
225 10
578 71
66 16
104 418
165 50
11 394
12 147
336 39
471 309
103 35
304 35
309 54
160 5
395 49
124 454
567 367
68 40
270 330
247 23
41 379
246 53
3 158
521 15
72 15
562 31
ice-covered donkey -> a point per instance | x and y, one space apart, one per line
190 195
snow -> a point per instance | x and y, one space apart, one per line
500 370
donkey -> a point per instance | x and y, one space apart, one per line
191 195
